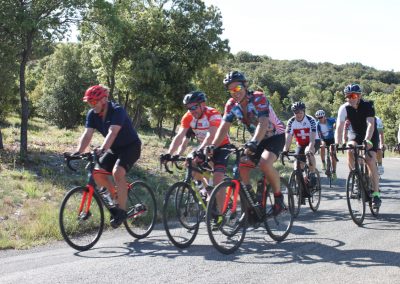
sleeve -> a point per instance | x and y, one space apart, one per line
229 115
89 120
289 126
186 120
370 110
313 124
214 118
342 113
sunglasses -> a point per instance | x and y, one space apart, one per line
297 111
320 117
236 89
93 102
352 96
192 108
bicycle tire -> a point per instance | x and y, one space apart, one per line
315 199
181 214
374 211
80 231
355 196
295 186
141 207
226 230
279 226
329 171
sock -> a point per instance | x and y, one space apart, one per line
376 193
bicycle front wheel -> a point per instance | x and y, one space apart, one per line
355 198
181 214
315 194
226 229
80 229
279 225
295 186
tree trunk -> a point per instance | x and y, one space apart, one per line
159 126
24 98
176 121
137 117
1 141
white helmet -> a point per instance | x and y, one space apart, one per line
320 113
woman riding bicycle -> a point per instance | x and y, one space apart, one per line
119 150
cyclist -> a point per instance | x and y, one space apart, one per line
254 110
361 115
382 147
120 149
326 131
203 121
304 128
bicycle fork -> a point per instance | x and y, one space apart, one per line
86 201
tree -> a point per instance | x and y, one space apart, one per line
29 25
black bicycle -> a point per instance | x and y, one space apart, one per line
358 186
81 215
300 185
184 208
329 167
233 207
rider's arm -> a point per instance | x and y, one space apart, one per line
222 131
289 138
178 140
370 128
339 132
261 129
110 138
183 146
85 139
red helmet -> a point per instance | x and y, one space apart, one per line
95 92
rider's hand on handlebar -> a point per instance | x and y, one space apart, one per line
208 151
250 148
165 158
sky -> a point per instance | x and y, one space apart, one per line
335 31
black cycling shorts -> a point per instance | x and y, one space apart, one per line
375 142
272 144
302 149
220 158
125 157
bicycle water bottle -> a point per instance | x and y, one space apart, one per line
202 190
105 194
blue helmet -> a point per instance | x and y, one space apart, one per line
234 76
352 88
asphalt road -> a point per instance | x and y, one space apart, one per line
323 247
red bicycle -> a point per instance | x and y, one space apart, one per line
81 215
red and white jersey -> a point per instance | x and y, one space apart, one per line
210 117
301 130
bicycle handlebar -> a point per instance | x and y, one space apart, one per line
89 156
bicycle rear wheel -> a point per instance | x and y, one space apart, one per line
328 171
279 226
315 194
226 229
355 198
181 214
142 210
79 229
294 185
374 211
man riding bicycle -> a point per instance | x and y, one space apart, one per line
204 122
326 131
119 150
254 110
361 115
304 128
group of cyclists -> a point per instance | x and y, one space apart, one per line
355 124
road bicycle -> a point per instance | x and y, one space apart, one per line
358 185
329 167
232 208
184 208
81 215
299 183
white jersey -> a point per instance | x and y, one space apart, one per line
301 130
379 124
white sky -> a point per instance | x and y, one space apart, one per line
336 31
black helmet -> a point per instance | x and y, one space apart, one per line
352 88
194 97
298 106
234 76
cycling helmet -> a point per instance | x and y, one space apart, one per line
194 97
298 106
320 113
95 92
234 76
352 88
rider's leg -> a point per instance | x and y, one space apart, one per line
267 167
322 153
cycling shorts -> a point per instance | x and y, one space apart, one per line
125 157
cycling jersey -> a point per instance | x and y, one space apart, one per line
326 130
301 130
379 124
258 106
210 117
116 115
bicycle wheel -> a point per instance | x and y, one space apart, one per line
279 226
226 229
181 214
355 198
142 210
294 185
315 194
374 211
80 230
328 171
